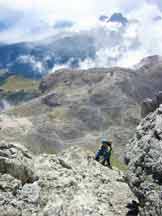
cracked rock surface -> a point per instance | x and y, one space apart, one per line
68 184
144 159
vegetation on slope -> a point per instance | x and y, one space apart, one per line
17 83
17 89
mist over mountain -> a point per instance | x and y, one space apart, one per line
81 40
36 59
62 24
118 18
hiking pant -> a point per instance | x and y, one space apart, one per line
105 155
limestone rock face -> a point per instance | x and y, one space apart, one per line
18 190
144 156
68 184
16 161
150 105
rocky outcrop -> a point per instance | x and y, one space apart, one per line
69 78
144 156
18 190
150 61
52 100
150 105
16 161
68 184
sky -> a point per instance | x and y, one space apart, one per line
34 19
77 10
28 16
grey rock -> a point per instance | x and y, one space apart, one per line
144 156
160 109
52 100
150 105
70 184
30 192
16 161
159 98
78 107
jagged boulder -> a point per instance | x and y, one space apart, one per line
16 161
80 186
150 105
144 159
159 98
52 100
68 184
18 187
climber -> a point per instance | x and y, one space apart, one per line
104 152
133 208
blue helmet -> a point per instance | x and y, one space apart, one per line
104 140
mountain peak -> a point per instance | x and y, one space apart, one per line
103 18
149 61
119 18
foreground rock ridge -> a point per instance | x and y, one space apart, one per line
71 183
144 159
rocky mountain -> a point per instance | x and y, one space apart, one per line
79 107
33 60
115 18
16 89
75 110
144 164
102 45
70 183
151 104
149 62
118 18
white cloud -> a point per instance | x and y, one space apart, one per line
42 14
29 59
83 12
72 9
77 10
